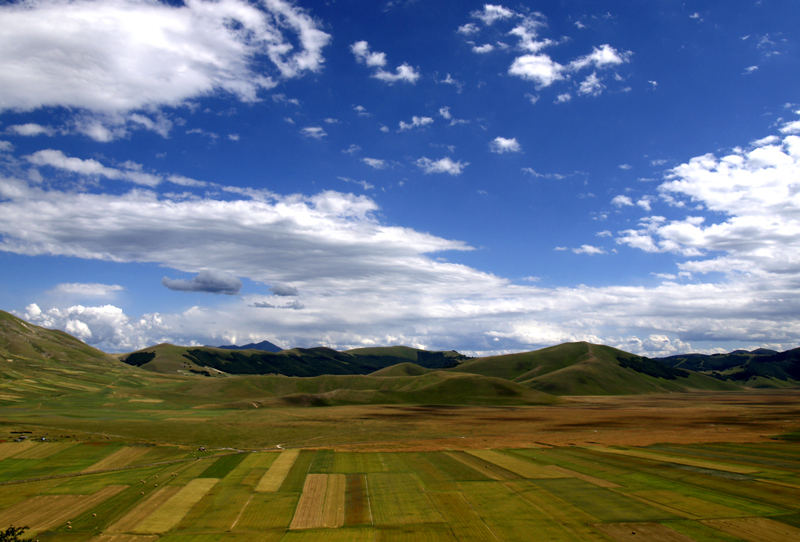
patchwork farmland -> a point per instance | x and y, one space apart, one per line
106 491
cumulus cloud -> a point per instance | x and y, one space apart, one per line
30 129
502 145
416 122
588 249
314 132
621 201
601 57
442 165
115 57
591 86
375 163
491 13
483 49
377 60
541 69
212 282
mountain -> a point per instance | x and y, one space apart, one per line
583 368
263 345
209 361
757 368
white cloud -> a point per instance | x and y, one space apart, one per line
622 201
6 146
483 49
403 72
750 69
588 249
502 145
491 13
90 167
444 112
541 69
625 167
352 149
377 60
442 165
416 122
30 129
361 111
468 29
375 163
563 98
791 127
363 54
591 86
315 132
114 57
601 57
81 289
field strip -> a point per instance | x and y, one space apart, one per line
461 516
124 538
274 477
46 511
756 529
654 532
177 506
526 469
333 513
309 511
548 504
664 458
778 483
477 464
44 450
568 473
357 509
241 512
120 458
152 503
9 449
689 507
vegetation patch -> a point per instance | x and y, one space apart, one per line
169 514
275 476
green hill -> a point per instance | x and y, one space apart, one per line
588 369
759 368
401 369
210 361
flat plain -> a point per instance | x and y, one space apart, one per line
674 467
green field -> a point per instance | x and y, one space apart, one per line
665 492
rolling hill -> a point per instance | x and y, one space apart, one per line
583 368
208 361
757 368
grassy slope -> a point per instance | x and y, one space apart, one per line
587 369
167 358
401 369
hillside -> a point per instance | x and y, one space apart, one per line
263 345
588 369
209 361
758 368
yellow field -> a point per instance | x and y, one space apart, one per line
274 477
481 466
43 450
526 469
333 513
9 449
309 512
152 503
120 458
756 529
689 507
47 511
173 510
124 538
567 473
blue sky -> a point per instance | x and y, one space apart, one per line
442 174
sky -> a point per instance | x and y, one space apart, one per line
443 174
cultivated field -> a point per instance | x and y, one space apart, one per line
593 469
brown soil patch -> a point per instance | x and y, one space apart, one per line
642 420
357 510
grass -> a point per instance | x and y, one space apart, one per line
560 493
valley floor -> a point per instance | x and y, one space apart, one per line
677 467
